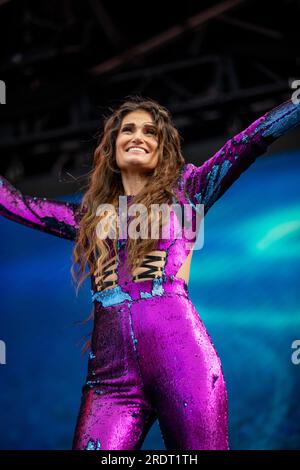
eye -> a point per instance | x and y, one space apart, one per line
151 131
126 129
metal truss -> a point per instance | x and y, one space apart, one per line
208 89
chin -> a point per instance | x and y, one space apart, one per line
137 162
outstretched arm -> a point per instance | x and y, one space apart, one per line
54 217
205 184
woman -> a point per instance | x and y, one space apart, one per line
151 356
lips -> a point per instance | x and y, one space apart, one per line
137 149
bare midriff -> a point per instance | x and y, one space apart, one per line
153 267
184 271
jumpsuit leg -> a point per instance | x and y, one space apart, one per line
153 358
182 373
115 412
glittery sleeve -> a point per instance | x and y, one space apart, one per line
55 217
205 184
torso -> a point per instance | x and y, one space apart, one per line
171 258
183 272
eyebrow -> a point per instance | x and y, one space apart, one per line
133 124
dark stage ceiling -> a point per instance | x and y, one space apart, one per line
216 65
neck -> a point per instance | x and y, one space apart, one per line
133 183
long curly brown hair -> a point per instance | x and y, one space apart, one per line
105 186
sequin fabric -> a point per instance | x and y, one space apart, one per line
151 356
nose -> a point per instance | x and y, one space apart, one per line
137 135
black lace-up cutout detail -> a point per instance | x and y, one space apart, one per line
152 271
109 271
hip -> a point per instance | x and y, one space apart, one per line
131 292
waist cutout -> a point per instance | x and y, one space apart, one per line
133 291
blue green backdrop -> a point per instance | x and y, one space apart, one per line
244 283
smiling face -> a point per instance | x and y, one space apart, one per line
137 142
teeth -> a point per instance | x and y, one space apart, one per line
136 148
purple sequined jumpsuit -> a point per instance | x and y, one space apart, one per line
151 356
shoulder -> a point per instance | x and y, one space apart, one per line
185 176
186 172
